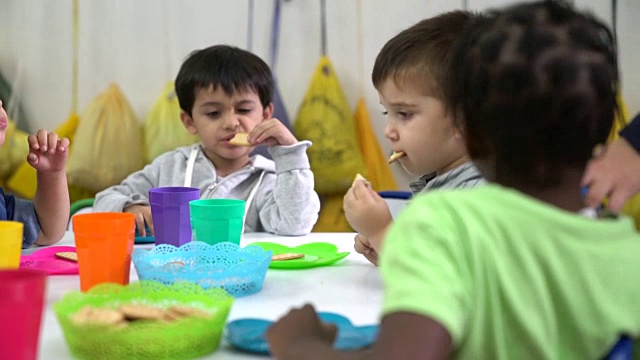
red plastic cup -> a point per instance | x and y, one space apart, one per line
21 303
104 243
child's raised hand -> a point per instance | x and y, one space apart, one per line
271 132
298 326
47 153
143 215
365 210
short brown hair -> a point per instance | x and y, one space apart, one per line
423 53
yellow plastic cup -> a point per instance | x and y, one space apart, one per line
104 243
10 244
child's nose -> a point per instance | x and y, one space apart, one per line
389 132
232 121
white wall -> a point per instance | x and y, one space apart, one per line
140 44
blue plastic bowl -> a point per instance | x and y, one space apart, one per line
239 271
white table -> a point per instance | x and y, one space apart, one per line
351 287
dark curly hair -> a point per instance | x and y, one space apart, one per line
538 86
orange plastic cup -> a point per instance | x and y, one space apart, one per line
104 243
10 244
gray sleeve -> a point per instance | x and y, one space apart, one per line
131 191
291 206
25 213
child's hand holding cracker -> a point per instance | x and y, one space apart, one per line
271 132
47 152
366 211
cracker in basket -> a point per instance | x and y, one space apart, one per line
141 312
395 156
240 139
179 311
97 316
286 256
67 255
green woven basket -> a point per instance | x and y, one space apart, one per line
181 339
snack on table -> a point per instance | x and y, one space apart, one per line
395 156
240 139
286 256
67 255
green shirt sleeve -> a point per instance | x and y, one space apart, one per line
423 268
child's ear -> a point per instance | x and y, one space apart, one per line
268 112
187 121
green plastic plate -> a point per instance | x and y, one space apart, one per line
315 254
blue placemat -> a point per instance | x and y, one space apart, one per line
249 334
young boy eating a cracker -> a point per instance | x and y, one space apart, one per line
412 76
225 91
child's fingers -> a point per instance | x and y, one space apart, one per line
360 246
43 139
149 222
328 332
63 144
52 142
33 142
362 190
263 131
33 159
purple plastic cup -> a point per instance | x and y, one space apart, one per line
170 212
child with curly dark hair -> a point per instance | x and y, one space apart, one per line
513 269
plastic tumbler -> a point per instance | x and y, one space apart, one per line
21 303
10 244
217 220
104 243
170 211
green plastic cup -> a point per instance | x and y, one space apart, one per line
217 220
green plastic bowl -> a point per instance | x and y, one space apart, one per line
181 339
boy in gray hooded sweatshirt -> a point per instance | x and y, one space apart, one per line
223 91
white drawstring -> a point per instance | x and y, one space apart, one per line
250 199
190 164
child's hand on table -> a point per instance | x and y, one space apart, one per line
362 246
47 153
143 215
297 327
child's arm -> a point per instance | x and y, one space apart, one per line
301 335
48 155
291 206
